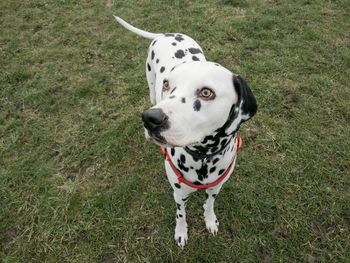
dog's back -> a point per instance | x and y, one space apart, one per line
165 52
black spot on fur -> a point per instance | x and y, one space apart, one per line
214 149
213 195
148 67
212 169
200 177
208 138
154 42
152 54
194 58
206 196
180 215
179 239
215 160
177 217
224 141
178 206
173 90
182 158
174 43
197 183
179 38
194 50
169 35
172 151
172 68
157 60
203 171
221 171
185 199
177 185
182 167
197 154
216 64
172 97
179 54
183 100
197 105
162 69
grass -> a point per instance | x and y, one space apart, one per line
79 183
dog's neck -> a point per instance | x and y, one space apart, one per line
214 145
211 146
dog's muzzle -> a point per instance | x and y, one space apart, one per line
155 121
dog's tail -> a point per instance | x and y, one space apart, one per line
137 31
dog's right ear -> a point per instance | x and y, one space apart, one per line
246 99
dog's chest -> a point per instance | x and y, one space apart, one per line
202 170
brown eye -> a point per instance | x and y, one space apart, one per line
207 94
165 85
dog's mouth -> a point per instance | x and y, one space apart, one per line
160 140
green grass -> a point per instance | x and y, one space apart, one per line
78 181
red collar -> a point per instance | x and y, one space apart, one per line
182 179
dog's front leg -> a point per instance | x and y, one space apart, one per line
211 221
181 224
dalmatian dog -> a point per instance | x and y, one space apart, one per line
198 107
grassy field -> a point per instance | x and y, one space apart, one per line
78 181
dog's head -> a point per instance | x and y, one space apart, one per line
199 98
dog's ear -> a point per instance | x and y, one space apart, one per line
246 99
244 109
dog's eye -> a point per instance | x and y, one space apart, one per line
206 93
165 85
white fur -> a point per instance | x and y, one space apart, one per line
137 31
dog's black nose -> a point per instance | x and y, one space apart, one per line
155 119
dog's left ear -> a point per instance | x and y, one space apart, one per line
244 109
246 99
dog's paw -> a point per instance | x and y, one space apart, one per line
181 239
212 226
